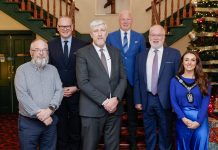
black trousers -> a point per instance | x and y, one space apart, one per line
69 125
132 114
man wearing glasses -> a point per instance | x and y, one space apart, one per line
39 92
62 56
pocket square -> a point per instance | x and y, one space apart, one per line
136 42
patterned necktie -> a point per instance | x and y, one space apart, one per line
125 43
103 60
65 51
154 77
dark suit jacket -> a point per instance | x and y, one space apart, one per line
67 71
169 67
137 45
95 83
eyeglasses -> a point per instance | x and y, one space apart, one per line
67 27
39 50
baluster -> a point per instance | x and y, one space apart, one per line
66 2
165 16
178 15
171 17
41 10
184 14
35 10
29 5
159 9
23 7
54 15
72 15
190 8
113 7
60 8
48 15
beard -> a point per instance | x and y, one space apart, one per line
40 62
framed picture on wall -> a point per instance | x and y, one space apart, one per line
105 7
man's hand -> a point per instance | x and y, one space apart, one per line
138 106
48 121
69 91
43 114
111 104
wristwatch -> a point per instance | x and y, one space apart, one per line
52 107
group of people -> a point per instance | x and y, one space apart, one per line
70 94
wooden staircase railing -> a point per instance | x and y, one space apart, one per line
169 7
48 10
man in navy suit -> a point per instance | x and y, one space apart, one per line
62 56
153 71
130 43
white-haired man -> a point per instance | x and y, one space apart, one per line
102 81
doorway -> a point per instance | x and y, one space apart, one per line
14 51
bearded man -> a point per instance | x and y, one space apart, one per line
39 92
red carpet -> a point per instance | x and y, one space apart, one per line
8 132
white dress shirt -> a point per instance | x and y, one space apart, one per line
108 58
149 64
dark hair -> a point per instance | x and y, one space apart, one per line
200 77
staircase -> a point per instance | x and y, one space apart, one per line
38 26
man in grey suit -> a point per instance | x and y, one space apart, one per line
102 81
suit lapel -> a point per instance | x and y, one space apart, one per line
119 40
72 52
113 62
144 64
131 41
60 52
164 58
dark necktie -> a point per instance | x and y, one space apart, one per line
154 77
125 43
65 51
103 60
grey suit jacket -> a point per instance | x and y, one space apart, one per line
94 82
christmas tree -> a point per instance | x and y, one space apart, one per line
204 40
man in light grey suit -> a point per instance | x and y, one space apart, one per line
102 81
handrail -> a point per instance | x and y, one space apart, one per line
175 15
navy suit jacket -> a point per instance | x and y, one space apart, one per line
137 44
168 69
67 71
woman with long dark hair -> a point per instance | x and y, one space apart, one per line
190 97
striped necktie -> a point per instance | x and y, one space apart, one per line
125 43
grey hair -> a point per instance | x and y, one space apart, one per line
96 23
